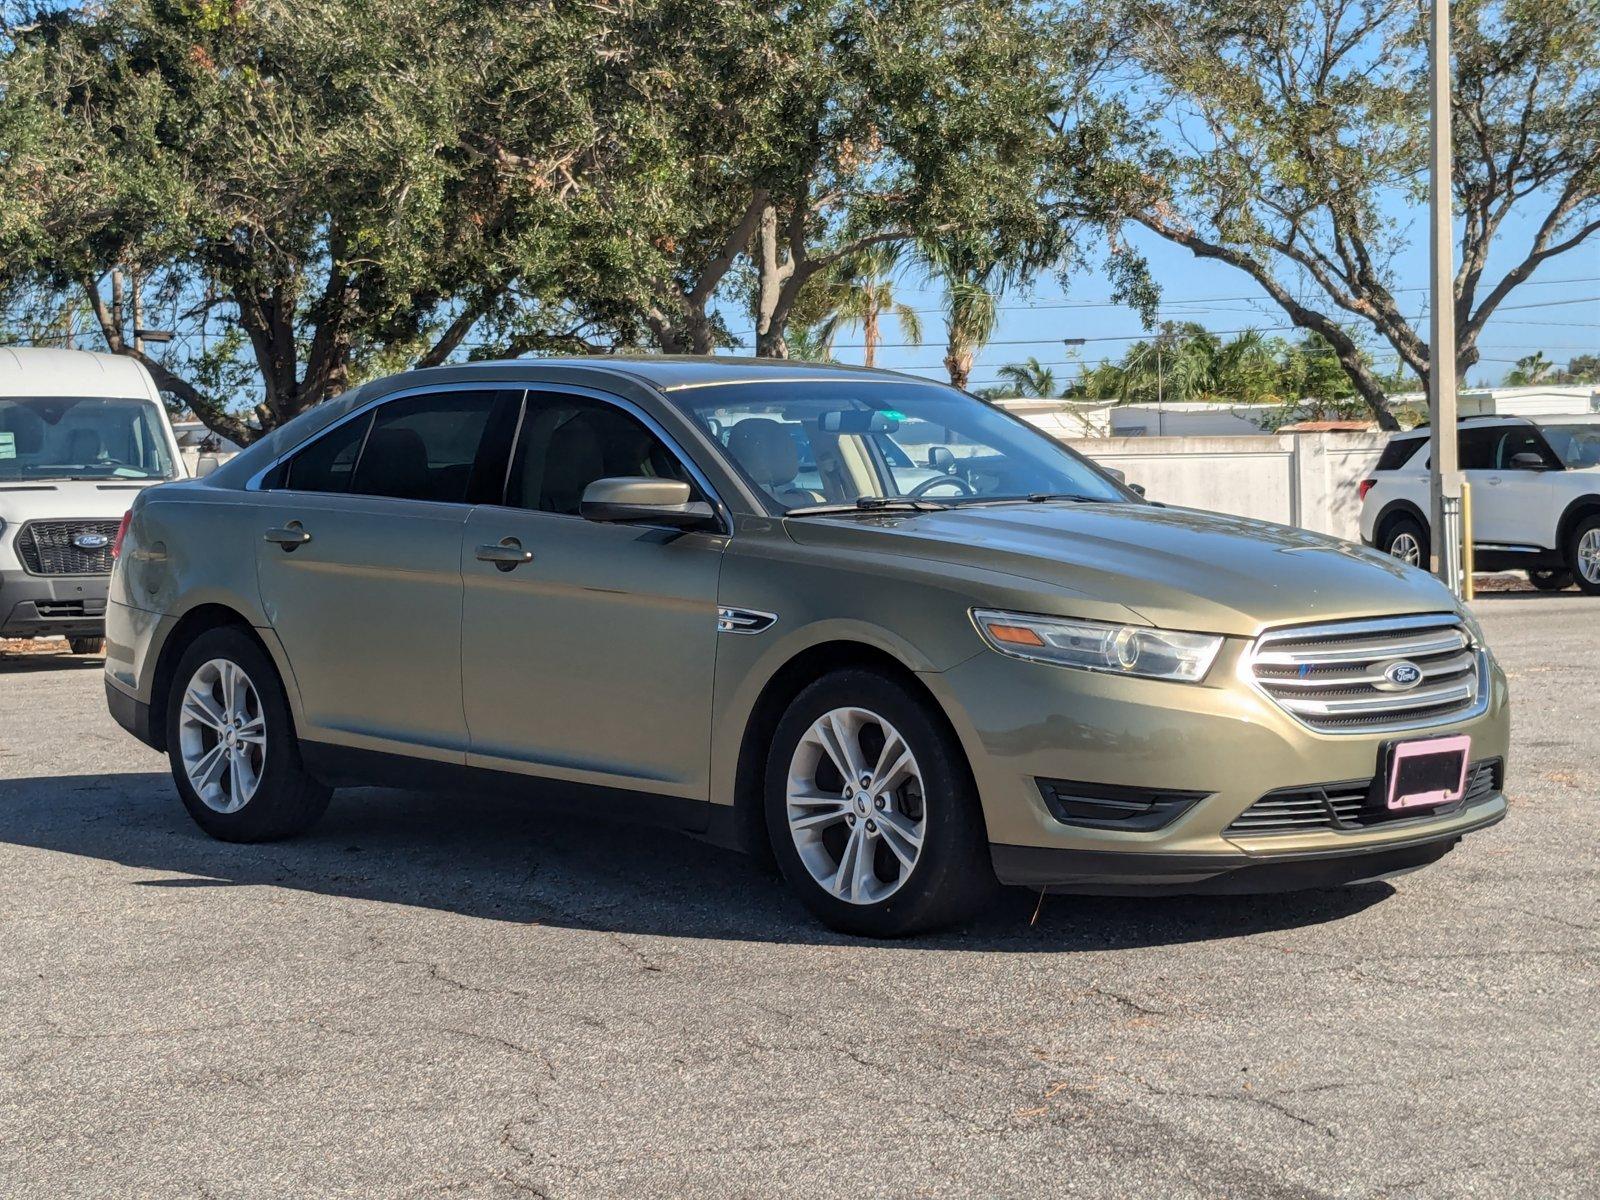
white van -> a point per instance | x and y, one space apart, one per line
80 435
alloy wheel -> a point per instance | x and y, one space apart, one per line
1589 555
1406 548
222 735
855 805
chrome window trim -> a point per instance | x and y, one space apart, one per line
524 388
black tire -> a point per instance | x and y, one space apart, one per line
1554 579
1575 540
87 645
287 800
952 874
1401 527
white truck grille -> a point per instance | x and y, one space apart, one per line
1373 676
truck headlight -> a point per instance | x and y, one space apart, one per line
1099 645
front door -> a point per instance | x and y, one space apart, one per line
359 565
1512 501
588 649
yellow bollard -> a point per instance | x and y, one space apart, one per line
1466 541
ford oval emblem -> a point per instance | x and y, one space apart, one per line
91 541
1402 676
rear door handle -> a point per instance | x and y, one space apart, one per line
507 556
289 536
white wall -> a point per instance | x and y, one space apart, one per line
1306 479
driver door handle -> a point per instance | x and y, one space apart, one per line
289 536
508 555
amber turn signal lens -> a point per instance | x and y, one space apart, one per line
1017 635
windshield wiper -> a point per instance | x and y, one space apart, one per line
867 504
1036 498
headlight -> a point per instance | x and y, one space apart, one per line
1099 646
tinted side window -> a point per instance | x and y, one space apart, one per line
568 442
328 463
425 447
1475 449
1520 441
1398 452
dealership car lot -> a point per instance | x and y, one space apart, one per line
467 996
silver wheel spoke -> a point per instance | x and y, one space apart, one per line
222 731
847 772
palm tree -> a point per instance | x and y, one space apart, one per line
972 283
861 293
1030 379
1530 369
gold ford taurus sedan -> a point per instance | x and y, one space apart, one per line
867 625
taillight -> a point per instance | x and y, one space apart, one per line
1366 486
122 532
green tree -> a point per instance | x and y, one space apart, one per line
1029 379
1530 369
1286 134
308 191
860 293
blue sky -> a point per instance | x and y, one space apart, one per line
1558 310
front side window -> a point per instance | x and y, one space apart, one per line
61 437
445 447
839 442
1522 440
568 442
1576 445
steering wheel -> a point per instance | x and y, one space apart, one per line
927 485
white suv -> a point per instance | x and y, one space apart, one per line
1535 497
81 435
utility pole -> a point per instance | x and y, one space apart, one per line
1444 475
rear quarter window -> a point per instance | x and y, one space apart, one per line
1398 452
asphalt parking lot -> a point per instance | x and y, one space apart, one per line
460 996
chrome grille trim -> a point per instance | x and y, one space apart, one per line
1329 677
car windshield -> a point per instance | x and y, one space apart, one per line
1576 445
62 437
847 442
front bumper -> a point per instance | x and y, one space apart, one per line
52 605
1024 722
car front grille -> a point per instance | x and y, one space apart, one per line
1332 678
1351 805
47 547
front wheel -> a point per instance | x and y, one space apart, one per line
1583 554
1552 580
871 809
231 743
86 645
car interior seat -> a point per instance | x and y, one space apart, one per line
766 451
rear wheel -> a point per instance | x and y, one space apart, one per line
1552 580
1406 540
871 810
86 645
231 743
1583 555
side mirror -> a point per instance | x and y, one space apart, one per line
627 498
1136 488
942 458
1527 460
206 464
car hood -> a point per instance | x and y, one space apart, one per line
53 500
1176 568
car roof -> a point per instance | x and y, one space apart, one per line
668 372
44 371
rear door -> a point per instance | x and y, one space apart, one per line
590 655
359 564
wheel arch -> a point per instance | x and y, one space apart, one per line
198 620
1390 512
1583 506
782 686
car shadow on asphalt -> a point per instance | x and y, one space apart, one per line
512 859
35 664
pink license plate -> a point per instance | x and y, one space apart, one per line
1428 773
